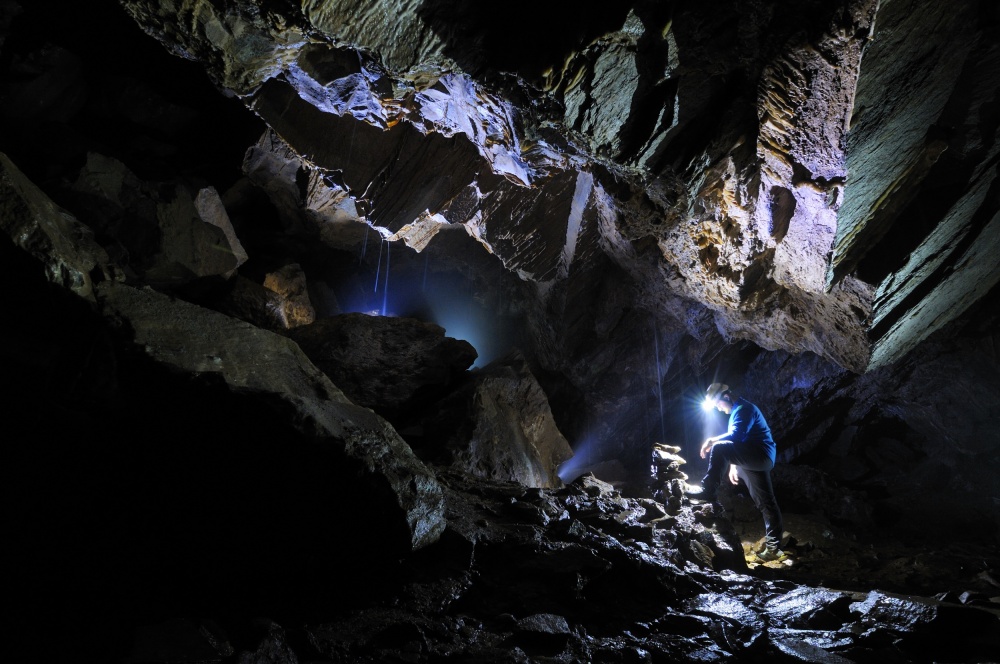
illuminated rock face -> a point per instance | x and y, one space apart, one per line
497 426
630 195
627 200
706 153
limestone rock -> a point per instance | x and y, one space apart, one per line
499 426
391 365
959 247
253 303
290 283
812 608
321 207
915 151
328 101
165 234
642 191
889 149
65 247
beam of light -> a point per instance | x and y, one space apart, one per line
445 297
463 317
582 459
708 404
659 380
385 286
378 267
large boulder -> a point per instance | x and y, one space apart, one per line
391 365
164 234
499 426
265 366
65 247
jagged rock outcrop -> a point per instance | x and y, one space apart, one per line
921 162
526 575
497 426
162 234
326 99
272 369
644 200
63 246
695 162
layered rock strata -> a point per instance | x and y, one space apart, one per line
730 230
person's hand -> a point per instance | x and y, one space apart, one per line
706 447
734 475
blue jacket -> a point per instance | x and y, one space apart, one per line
747 426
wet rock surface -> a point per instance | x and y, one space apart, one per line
583 574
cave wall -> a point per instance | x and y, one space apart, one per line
648 202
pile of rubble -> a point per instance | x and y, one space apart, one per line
583 574
667 480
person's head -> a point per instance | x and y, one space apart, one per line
719 397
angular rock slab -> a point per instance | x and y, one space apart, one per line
499 426
417 146
65 247
254 362
170 235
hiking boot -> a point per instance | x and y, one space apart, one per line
705 493
771 555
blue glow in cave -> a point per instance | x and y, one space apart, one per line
584 457
405 287
463 318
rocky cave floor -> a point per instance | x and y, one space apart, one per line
591 572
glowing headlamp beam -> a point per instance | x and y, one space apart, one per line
708 404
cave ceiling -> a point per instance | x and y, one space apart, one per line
818 178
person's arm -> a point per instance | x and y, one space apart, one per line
709 443
734 475
739 425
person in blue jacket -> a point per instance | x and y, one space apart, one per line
746 449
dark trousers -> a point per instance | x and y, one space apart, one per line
754 466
